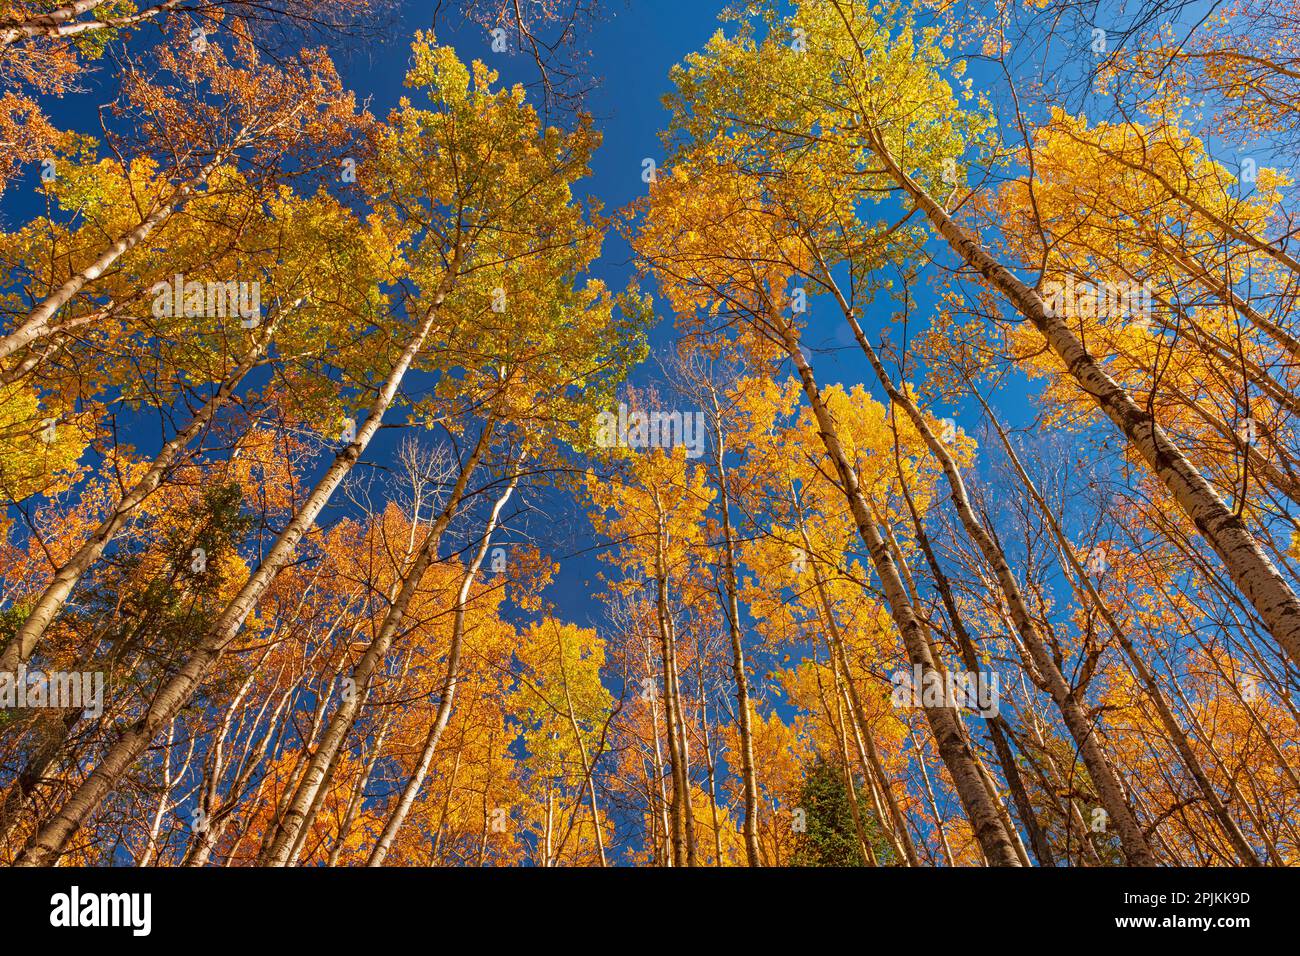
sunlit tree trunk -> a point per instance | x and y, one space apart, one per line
950 737
744 721
37 322
131 742
65 578
340 723
1104 775
1145 677
683 822
447 697
995 722
1246 563
61 21
896 825
663 810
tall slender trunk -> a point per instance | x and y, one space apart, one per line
1110 787
415 782
214 768
1234 791
683 824
995 722
934 807
1223 289
945 723
732 607
37 323
169 780
709 766
662 815
132 741
340 723
871 766
1247 565
1145 677
436 852
1263 467
357 797
47 606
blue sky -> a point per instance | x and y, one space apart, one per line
630 46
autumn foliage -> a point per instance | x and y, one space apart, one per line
954 521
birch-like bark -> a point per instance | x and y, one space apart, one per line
214 815
744 720
52 599
1145 677
1110 788
896 826
61 22
358 795
131 742
683 823
298 814
169 780
945 723
1247 565
37 323
664 853
415 781
932 804
995 722
1263 468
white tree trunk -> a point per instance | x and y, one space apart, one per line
50 839
1247 565
55 595
416 781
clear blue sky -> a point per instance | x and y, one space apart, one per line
632 46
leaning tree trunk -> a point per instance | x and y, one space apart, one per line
52 837
1110 787
55 595
61 22
313 780
998 731
743 716
1145 677
949 734
37 323
416 781
1247 565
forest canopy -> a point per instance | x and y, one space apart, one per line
890 458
